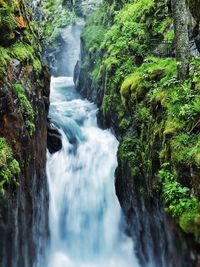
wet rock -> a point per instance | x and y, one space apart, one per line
24 206
19 212
196 36
45 85
138 60
158 240
157 75
84 83
194 9
54 142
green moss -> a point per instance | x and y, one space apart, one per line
186 149
26 49
9 167
168 65
190 223
93 35
124 124
107 101
7 22
25 108
55 18
22 51
25 53
169 36
130 84
164 25
172 126
154 73
127 154
4 63
37 65
117 44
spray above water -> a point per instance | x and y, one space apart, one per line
85 216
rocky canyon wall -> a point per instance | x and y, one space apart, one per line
24 101
127 67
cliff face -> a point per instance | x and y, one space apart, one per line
24 93
157 239
128 68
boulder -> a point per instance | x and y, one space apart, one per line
54 142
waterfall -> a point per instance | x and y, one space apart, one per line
85 220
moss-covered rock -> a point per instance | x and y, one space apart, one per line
24 92
190 223
9 167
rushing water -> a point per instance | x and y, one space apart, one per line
86 226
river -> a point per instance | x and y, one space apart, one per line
85 219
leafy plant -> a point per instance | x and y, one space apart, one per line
9 167
26 108
176 197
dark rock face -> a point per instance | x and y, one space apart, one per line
24 209
84 84
24 104
52 56
195 14
54 142
196 36
81 81
194 9
157 239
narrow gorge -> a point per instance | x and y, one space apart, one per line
99 133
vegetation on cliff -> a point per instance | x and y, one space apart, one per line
128 50
55 16
9 167
20 82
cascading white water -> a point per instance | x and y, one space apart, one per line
85 216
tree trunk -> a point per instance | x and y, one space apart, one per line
181 37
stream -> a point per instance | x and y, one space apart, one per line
85 218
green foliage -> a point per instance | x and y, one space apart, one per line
127 154
190 223
179 202
25 108
22 51
94 33
26 49
169 36
4 62
25 53
37 65
153 74
186 149
172 126
7 22
176 197
55 18
156 116
9 167
110 50
107 101
131 85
